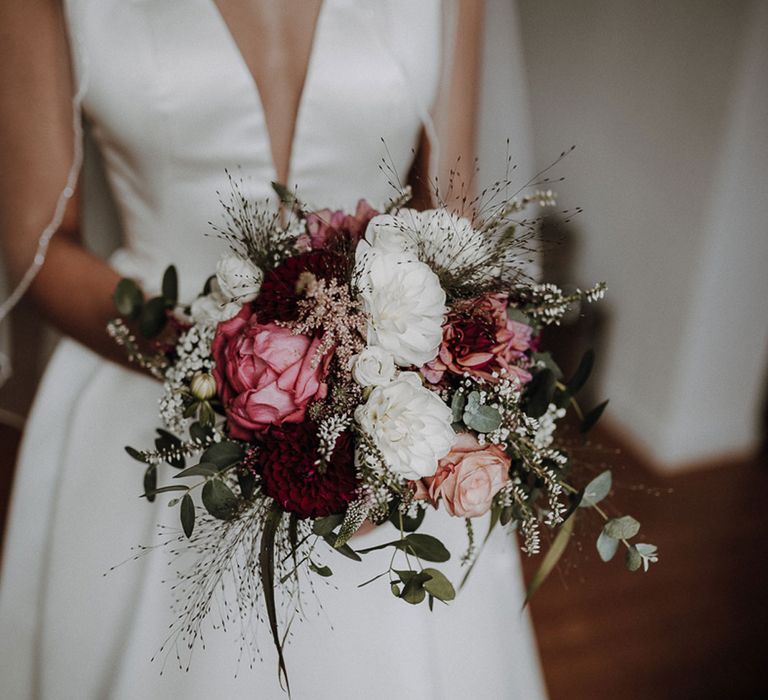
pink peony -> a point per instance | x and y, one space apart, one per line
469 476
264 374
479 338
325 227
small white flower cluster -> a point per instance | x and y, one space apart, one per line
194 355
546 426
328 433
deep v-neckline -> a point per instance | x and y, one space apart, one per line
257 93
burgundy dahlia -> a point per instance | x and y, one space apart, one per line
290 474
277 300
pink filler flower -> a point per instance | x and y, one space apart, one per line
264 374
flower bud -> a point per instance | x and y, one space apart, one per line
203 386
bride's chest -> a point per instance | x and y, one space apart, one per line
167 86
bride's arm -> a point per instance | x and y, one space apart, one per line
73 289
454 114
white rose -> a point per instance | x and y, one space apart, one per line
389 233
409 424
374 366
405 305
213 308
239 279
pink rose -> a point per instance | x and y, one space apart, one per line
264 374
479 339
469 476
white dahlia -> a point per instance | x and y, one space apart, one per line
373 366
405 305
239 279
410 425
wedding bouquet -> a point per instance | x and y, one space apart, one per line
341 368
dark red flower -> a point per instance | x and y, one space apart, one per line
290 474
277 300
326 228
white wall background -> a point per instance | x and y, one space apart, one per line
668 105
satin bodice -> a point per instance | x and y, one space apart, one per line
184 109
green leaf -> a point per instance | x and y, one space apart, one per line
549 363
149 495
592 417
606 546
596 490
223 454
473 401
344 549
413 589
247 483
320 570
170 286
187 512
559 545
153 317
267 572
202 469
633 559
580 376
325 526
458 402
439 586
622 528
218 499
424 547
168 441
409 524
138 456
539 393
128 298
150 482
395 589
198 432
483 419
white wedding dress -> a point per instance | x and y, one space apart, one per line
172 105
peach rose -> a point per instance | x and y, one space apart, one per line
264 374
469 476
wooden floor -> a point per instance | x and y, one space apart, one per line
693 628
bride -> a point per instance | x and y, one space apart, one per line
312 94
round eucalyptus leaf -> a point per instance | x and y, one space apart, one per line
218 499
170 286
622 528
606 546
633 559
152 318
439 586
596 490
128 298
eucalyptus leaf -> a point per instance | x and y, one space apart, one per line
187 512
483 419
223 454
439 586
409 524
633 559
596 490
395 589
152 318
218 499
622 528
424 547
580 376
606 546
199 432
458 402
170 286
413 589
128 298
592 417
473 401
552 556
202 469
150 482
